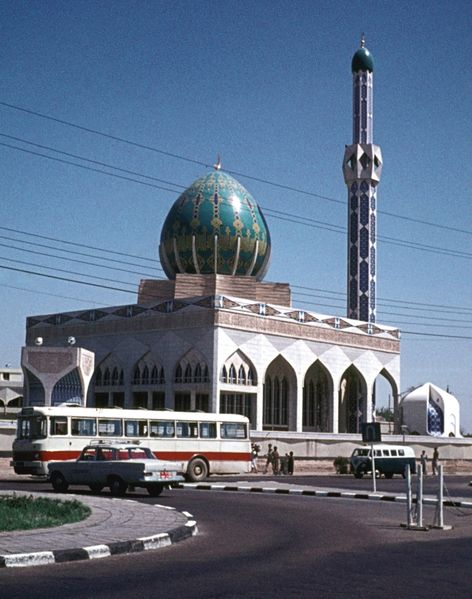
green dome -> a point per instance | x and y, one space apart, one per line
362 61
215 227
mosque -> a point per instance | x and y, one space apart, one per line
215 336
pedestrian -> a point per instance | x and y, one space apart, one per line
275 461
290 463
254 455
424 462
268 458
435 461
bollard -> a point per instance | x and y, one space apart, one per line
439 515
409 520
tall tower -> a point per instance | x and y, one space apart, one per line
362 167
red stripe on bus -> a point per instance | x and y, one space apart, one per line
213 456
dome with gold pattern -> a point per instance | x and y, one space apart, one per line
215 227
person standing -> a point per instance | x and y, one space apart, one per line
435 461
268 458
424 462
290 462
275 461
254 455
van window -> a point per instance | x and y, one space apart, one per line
385 452
378 452
394 452
401 452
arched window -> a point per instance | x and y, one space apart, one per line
162 378
115 379
107 377
232 375
145 376
137 376
241 375
250 377
178 374
198 374
154 376
98 378
188 374
224 375
206 375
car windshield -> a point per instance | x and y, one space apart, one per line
135 453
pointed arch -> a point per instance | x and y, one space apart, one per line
352 401
317 394
280 388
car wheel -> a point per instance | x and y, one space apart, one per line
155 490
117 486
96 487
59 483
197 470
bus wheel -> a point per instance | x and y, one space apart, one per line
155 490
59 483
96 487
197 470
117 486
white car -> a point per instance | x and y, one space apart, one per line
117 466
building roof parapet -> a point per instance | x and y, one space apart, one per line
218 302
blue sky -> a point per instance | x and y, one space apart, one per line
267 85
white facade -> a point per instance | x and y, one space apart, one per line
429 410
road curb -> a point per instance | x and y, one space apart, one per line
318 493
158 541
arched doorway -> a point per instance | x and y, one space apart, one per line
352 401
317 394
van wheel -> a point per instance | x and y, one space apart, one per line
117 486
59 483
358 474
389 475
96 487
197 470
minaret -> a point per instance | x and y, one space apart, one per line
362 167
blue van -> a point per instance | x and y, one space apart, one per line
389 460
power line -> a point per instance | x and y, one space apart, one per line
206 165
293 218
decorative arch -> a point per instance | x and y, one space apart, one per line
352 401
148 371
280 389
192 368
109 373
238 370
317 394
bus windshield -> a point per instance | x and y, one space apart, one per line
32 427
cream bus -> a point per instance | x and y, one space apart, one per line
206 443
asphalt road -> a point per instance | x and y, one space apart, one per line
258 546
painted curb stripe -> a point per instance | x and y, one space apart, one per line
158 541
320 493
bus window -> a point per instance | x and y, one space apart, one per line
136 428
394 452
32 428
208 430
386 452
83 427
108 427
233 430
187 429
162 428
58 425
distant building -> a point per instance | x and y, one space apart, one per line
11 389
429 410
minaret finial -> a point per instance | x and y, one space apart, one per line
362 41
217 165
